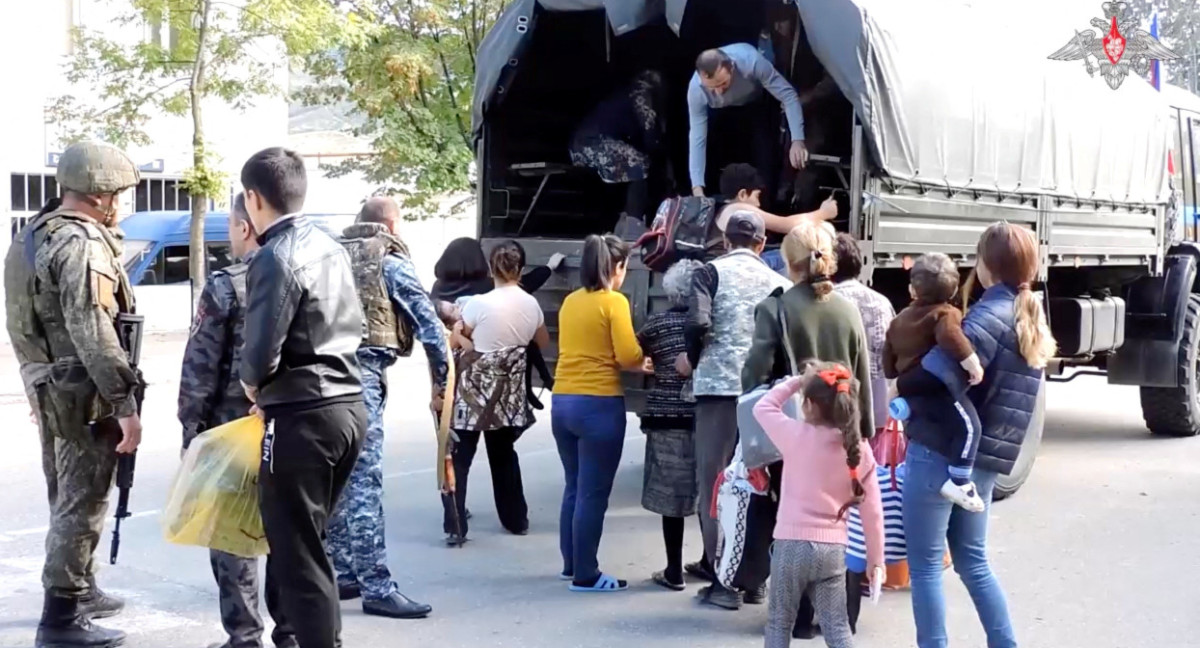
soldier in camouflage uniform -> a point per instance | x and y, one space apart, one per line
395 307
211 394
64 287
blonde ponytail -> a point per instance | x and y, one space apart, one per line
808 250
1034 338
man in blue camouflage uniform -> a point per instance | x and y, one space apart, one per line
211 394
396 309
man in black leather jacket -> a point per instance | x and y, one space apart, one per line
302 328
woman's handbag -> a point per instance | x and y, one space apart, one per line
757 448
890 445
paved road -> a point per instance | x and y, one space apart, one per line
1097 551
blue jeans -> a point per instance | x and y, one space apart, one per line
590 433
930 523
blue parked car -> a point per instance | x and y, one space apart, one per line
156 243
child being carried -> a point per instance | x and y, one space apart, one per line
928 322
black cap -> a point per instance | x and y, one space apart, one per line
746 226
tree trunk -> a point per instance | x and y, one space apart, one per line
197 256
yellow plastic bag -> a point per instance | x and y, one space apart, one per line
214 500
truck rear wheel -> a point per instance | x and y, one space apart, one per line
1007 485
1175 411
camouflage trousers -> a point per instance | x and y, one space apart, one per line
355 538
79 466
237 591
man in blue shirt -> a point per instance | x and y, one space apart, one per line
397 311
735 76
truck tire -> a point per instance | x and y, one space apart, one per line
1175 411
1007 485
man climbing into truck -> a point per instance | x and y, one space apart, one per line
732 78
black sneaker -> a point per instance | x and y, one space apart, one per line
722 597
756 596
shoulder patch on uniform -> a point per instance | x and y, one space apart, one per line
201 313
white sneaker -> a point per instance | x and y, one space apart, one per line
965 496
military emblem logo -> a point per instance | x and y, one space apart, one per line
1120 46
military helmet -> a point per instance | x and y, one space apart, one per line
96 168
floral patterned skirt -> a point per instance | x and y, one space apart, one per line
669 481
614 161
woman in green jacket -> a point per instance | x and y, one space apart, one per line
821 325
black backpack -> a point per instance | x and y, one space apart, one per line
684 228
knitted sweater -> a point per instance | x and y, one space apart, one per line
816 481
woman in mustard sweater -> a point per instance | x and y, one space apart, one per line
596 341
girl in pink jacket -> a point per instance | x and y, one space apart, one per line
827 468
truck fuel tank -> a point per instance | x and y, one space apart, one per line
1087 325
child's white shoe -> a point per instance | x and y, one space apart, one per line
965 496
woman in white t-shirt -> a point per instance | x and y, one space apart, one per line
490 396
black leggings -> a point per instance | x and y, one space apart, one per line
673 540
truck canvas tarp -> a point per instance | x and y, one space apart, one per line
939 104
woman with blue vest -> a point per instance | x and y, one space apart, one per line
1009 333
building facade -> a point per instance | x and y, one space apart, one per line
35 39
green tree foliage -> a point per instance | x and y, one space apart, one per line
197 50
1178 28
411 79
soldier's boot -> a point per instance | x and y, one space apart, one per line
64 625
98 604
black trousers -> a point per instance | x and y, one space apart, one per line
507 488
307 458
854 584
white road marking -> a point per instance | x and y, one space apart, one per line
8 536
13 535
139 620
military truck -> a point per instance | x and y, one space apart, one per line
929 137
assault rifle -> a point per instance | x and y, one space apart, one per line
129 331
